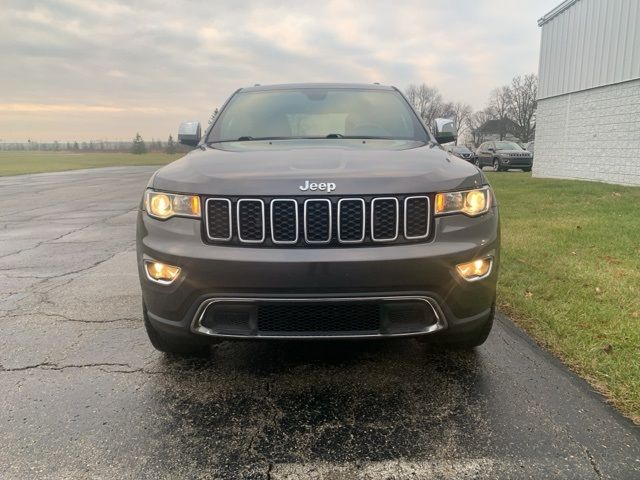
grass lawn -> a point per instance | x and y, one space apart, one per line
18 163
570 275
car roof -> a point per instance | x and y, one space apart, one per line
295 86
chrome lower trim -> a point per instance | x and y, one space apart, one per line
198 328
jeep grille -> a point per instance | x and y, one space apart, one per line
318 222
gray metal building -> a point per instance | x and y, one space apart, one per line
588 116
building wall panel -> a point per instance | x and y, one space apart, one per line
590 135
589 44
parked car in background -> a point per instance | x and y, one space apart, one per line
463 152
503 155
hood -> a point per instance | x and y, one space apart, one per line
280 167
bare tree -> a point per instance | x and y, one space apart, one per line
476 124
427 101
522 106
498 108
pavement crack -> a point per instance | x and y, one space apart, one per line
55 366
592 461
79 320
66 234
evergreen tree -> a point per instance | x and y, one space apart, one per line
138 147
171 145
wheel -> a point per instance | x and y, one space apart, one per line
168 344
476 162
496 165
528 169
467 342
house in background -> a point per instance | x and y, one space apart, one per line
588 115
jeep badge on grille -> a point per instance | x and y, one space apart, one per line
324 186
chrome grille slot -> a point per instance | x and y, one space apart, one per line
384 219
317 220
351 220
284 221
417 213
251 226
218 218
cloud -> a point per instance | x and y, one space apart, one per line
102 65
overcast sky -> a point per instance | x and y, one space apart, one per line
83 70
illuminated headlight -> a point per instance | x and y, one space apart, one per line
164 205
476 270
470 202
159 272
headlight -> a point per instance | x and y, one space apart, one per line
164 205
469 202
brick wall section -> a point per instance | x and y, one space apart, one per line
590 135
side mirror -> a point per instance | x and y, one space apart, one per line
189 133
444 130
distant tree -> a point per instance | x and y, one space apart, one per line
138 147
171 146
56 146
76 146
427 101
68 145
213 116
522 106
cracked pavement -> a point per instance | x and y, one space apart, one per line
84 395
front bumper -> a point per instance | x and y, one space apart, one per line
421 270
517 162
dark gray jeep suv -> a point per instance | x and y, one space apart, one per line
317 211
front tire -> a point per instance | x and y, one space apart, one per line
477 163
496 165
528 169
167 344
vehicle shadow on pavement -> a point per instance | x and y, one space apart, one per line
295 402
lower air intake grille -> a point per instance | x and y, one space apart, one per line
324 317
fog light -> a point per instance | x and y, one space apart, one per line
161 272
476 270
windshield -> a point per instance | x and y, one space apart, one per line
461 150
507 146
317 113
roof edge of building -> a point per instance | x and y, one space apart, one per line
556 11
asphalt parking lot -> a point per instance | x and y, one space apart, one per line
83 394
